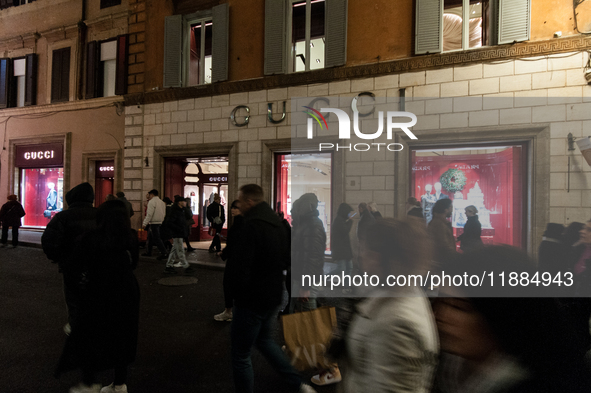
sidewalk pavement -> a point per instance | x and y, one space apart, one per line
200 257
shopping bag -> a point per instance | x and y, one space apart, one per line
307 335
142 235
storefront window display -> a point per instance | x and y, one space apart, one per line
41 181
489 177
42 190
298 174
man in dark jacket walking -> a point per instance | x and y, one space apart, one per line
10 216
342 253
176 225
60 237
217 217
258 286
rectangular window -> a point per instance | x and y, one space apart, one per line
491 178
447 25
307 35
108 64
60 75
200 57
465 24
298 174
20 68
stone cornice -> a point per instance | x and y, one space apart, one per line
107 21
62 106
59 33
411 64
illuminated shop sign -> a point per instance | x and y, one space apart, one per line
39 156
105 169
218 178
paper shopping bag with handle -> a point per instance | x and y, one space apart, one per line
307 335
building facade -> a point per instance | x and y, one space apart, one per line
63 71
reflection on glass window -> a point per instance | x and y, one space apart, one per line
313 59
298 174
489 178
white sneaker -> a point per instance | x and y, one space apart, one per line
67 329
112 388
179 264
225 316
82 388
306 389
327 377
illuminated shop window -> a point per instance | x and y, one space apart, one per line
492 178
298 174
307 35
42 193
459 35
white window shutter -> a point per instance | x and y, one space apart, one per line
275 37
220 38
335 51
429 27
173 50
514 21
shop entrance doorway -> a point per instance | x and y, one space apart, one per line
198 178
103 182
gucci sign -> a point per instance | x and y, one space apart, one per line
218 178
38 155
106 168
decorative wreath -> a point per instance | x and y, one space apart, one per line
453 180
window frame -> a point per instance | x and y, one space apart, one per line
203 18
308 33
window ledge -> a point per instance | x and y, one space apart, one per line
63 106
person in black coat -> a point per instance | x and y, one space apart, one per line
105 331
413 208
176 225
308 244
365 221
340 241
217 217
264 254
189 222
61 236
470 238
121 196
230 254
10 216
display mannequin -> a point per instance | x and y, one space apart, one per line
438 194
51 200
427 202
223 198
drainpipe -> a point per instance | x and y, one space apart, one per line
81 51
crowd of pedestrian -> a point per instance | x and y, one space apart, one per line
396 339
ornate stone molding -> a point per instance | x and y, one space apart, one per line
107 22
412 64
60 33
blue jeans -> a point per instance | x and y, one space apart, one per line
253 328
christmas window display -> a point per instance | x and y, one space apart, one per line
490 178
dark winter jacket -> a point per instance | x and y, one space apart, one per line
365 221
215 210
308 244
11 214
105 331
68 226
175 223
416 211
470 238
340 242
127 205
230 252
263 255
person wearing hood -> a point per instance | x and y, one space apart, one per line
61 236
342 253
366 219
308 241
263 254
10 216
